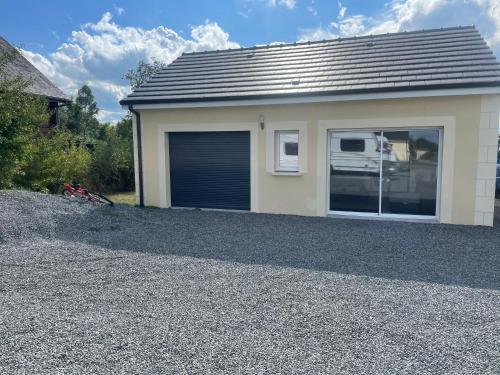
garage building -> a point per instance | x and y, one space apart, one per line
397 126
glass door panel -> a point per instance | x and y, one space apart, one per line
410 172
354 171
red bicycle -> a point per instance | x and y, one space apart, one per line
76 190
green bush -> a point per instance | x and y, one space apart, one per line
21 116
49 161
112 165
81 149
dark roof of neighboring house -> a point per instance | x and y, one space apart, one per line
40 85
429 59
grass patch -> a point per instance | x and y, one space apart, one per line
127 198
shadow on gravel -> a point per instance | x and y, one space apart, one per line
445 254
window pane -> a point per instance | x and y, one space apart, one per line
354 171
288 151
353 145
409 172
291 148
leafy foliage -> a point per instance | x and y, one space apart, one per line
144 71
80 117
52 160
21 115
81 149
112 166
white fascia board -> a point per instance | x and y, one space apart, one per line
323 99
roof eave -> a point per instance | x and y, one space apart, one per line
51 98
439 90
58 99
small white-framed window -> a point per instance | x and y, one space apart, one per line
287 150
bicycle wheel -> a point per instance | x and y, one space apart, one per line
66 193
75 197
99 198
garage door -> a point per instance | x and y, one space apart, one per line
210 169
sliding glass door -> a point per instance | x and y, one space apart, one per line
355 171
384 172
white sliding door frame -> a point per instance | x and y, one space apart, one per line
380 214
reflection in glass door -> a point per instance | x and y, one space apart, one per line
410 172
384 172
355 171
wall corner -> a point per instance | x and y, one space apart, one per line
486 160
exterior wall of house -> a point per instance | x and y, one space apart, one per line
463 198
487 159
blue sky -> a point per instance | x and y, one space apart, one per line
96 42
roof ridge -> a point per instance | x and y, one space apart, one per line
267 46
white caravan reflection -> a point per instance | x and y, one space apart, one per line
358 152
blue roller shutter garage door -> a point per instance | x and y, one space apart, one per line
210 169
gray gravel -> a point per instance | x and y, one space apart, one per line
86 289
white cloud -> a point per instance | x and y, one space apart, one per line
400 15
352 26
342 10
423 14
418 14
100 53
209 36
250 6
290 4
109 116
319 33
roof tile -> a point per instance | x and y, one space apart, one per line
432 59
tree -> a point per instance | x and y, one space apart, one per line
124 129
85 99
111 163
70 117
21 116
144 71
80 117
112 166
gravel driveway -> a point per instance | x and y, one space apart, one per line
127 290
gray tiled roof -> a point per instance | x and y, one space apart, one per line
40 85
428 59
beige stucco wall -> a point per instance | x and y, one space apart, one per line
303 195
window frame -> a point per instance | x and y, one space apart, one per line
277 144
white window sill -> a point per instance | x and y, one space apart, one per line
285 173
